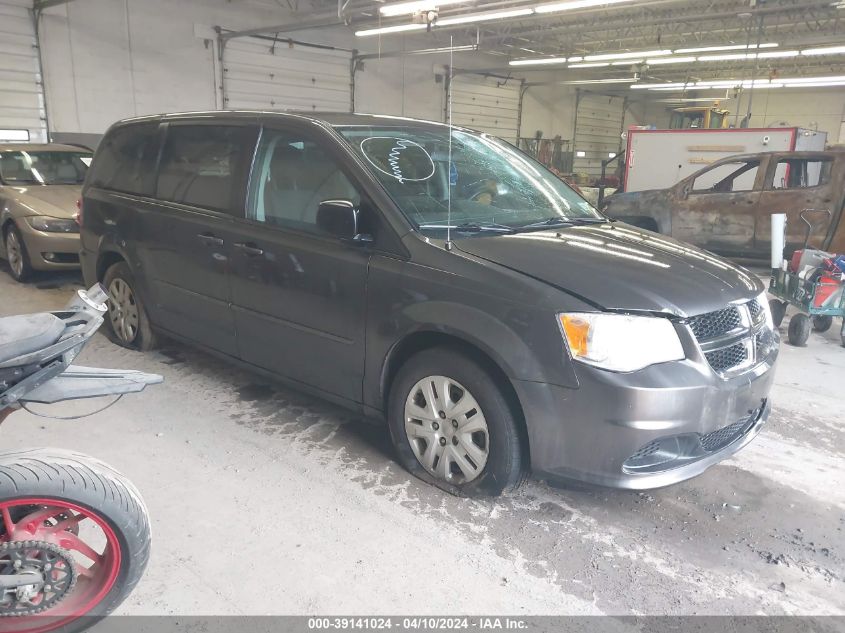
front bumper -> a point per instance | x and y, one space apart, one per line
646 429
50 251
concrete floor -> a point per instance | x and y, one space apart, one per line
264 501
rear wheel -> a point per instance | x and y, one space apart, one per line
76 531
128 324
778 309
16 254
822 323
799 329
452 426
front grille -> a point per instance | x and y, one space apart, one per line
714 324
755 310
727 357
734 338
645 451
720 438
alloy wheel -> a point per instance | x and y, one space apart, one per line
446 429
72 535
123 310
14 253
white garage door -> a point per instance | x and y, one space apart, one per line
598 131
261 74
21 94
487 104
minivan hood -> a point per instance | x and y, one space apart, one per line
620 267
58 201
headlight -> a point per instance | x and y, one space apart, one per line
52 225
620 342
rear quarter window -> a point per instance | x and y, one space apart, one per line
125 160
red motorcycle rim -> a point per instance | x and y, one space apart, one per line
53 521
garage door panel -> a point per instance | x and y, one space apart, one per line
260 75
598 131
21 92
486 104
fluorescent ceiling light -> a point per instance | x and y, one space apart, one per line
540 61
397 28
556 7
408 8
669 60
825 50
634 55
660 85
816 84
625 80
600 65
728 47
628 62
484 17
742 56
756 84
442 49
801 80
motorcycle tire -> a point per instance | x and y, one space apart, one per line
45 494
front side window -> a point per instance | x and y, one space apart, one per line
800 173
487 184
205 166
291 177
44 167
727 178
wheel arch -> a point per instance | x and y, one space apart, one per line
106 260
418 341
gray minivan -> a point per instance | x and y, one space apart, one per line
436 279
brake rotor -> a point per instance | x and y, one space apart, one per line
51 568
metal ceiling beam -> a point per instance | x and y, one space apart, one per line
40 5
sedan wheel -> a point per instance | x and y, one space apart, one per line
446 429
16 255
123 310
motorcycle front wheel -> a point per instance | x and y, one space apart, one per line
76 530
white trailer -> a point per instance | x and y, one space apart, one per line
657 159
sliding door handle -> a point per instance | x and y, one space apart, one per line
249 248
209 239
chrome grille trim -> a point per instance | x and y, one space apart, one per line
733 339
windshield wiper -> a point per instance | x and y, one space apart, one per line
559 221
472 227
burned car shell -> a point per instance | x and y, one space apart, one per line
736 220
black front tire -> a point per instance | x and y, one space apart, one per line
86 482
822 322
507 462
799 330
144 338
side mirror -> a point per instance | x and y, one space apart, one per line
340 218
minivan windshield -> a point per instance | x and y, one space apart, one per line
44 167
487 186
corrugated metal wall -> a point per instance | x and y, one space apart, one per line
265 75
487 104
598 130
21 90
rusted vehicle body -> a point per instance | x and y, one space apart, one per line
727 206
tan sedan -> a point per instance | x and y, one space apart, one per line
39 188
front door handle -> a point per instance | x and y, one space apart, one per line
209 239
249 248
